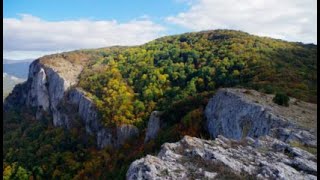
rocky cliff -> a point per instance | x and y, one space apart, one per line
223 158
254 139
237 113
51 88
153 126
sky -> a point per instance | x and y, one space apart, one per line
33 28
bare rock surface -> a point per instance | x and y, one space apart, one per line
237 113
153 126
194 158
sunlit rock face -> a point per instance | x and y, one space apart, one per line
50 89
237 113
194 158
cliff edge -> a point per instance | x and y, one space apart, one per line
51 89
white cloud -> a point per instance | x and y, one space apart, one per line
293 20
22 55
32 35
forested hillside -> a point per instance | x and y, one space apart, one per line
174 74
128 83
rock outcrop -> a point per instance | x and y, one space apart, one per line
125 132
223 158
237 113
153 126
85 108
48 84
50 88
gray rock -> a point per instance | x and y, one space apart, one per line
194 158
153 126
232 114
210 175
48 84
86 110
93 125
125 132
152 167
104 138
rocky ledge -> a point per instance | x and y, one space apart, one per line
223 158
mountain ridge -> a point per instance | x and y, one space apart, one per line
109 94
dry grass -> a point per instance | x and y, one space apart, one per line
299 112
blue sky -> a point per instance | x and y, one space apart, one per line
121 10
33 28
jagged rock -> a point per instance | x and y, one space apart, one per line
291 135
41 90
153 126
235 113
48 83
194 158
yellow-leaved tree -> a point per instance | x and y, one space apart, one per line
116 104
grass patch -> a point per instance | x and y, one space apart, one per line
312 150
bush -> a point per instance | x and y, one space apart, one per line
268 89
281 99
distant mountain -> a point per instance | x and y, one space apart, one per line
10 61
17 68
8 83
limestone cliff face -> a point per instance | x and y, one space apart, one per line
237 113
85 108
223 158
50 86
49 79
153 126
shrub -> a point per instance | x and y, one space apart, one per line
281 99
268 89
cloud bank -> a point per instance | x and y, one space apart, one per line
32 35
293 20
